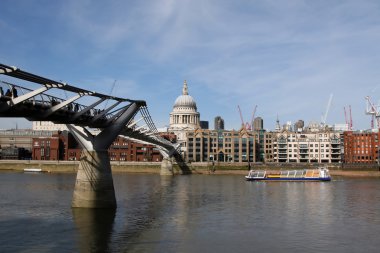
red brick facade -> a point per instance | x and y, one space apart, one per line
361 147
126 150
45 148
63 146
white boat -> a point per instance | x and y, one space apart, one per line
32 170
320 174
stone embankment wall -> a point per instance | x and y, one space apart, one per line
278 166
72 166
56 166
196 168
242 168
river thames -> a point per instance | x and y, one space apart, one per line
193 213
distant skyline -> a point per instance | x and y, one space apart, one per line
286 57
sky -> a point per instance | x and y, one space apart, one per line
286 57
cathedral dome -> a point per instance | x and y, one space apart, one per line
185 100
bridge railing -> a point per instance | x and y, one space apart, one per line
12 90
45 101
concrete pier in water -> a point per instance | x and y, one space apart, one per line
94 184
166 167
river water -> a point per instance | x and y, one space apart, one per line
194 213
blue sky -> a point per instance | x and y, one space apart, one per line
286 57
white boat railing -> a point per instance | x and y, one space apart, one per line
257 174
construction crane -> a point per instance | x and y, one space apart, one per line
373 111
323 122
348 120
241 118
247 125
253 117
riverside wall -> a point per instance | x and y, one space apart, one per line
196 168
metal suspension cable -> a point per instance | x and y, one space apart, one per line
113 86
148 120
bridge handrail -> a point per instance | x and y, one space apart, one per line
18 73
50 100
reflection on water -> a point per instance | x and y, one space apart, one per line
208 213
94 227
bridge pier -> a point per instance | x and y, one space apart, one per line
94 184
166 167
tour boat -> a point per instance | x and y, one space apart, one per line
320 174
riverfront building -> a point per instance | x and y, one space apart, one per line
268 146
21 138
59 146
260 144
307 147
221 146
16 144
361 147
63 146
312 144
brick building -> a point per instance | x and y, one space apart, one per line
46 148
361 147
16 144
63 146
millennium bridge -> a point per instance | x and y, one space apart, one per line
35 98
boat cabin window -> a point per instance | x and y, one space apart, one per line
257 174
